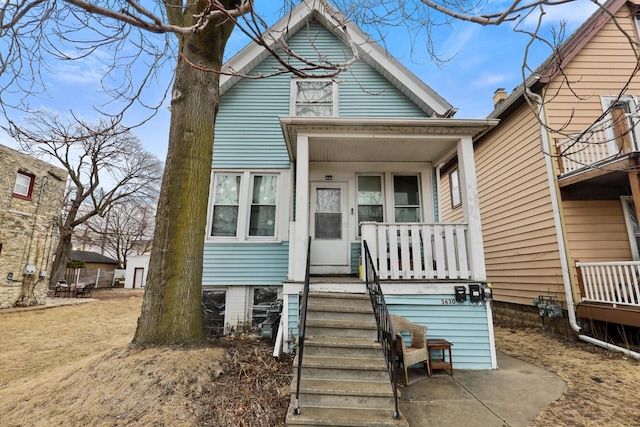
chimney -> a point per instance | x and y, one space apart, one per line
499 96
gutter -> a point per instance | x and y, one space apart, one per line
566 279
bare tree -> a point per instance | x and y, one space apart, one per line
106 164
126 229
194 34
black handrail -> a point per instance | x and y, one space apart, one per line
386 333
302 329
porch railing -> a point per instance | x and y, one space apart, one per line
302 330
610 282
606 139
386 334
418 251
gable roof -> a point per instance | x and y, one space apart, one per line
369 51
88 256
558 60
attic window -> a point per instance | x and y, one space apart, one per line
314 98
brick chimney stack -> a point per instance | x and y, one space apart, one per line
499 96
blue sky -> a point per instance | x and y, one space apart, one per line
482 59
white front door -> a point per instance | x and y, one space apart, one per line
329 240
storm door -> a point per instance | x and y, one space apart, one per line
328 218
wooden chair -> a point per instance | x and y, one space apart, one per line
416 352
84 291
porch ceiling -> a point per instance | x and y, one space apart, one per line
333 139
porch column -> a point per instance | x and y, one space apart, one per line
471 208
302 208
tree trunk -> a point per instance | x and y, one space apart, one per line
61 256
172 305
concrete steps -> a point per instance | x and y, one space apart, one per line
344 379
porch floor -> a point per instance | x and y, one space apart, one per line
621 314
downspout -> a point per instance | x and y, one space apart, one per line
566 279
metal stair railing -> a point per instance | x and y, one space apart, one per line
386 333
302 329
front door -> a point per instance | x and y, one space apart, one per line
329 242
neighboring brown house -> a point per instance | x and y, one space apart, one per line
98 269
566 224
31 200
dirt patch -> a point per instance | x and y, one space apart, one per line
602 385
71 366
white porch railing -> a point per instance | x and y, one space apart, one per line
418 251
610 282
603 140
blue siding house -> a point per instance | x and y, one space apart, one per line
342 160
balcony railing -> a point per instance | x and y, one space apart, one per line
610 282
604 140
418 251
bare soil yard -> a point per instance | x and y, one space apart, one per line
70 366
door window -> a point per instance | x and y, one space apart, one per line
328 216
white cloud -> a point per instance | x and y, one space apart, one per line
457 40
573 13
79 72
491 80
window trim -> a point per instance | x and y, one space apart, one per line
626 210
294 93
455 172
607 101
29 194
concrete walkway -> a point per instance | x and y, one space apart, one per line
511 396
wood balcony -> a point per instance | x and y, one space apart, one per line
606 141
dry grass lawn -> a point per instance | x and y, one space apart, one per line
70 366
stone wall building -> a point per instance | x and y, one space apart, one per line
31 200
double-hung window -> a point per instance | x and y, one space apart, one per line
314 98
23 185
262 219
406 197
226 205
370 199
244 205
454 188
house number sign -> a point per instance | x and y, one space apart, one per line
448 301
